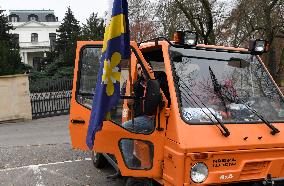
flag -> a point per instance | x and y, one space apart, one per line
116 46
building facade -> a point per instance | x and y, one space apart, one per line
35 31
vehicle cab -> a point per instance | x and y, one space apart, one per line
220 119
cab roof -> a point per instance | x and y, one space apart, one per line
202 46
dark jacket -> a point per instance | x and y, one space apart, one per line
139 90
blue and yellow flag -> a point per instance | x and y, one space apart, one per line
116 46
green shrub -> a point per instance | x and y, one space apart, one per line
10 61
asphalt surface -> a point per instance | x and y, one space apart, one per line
38 153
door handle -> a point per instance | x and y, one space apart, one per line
77 121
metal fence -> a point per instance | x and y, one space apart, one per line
50 97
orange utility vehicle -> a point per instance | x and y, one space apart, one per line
220 119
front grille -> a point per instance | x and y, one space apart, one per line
254 170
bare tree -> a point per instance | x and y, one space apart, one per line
221 11
141 18
272 25
142 30
256 19
199 14
170 18
241 24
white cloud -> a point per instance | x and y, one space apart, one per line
81 8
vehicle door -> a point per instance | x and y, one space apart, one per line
146 147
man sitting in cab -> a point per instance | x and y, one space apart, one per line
143 121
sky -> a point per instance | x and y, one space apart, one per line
82 9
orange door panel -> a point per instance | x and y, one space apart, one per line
80 105
107 140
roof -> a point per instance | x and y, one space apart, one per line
24 14
33 11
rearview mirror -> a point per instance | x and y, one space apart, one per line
238 63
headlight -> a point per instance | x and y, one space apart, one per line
258 46
190 38
199 173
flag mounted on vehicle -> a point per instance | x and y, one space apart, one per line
116 46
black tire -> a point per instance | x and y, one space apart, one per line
138 182
99 160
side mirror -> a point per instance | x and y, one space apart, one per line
153 97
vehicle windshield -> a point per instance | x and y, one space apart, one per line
227 85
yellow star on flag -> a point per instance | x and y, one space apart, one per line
111 72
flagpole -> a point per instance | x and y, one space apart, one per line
131 90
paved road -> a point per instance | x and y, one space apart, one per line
38 153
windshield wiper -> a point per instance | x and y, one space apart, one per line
217 88
225 130
273 128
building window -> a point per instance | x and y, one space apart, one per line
50 18
15 38
34 37
14 18
52 39
33 17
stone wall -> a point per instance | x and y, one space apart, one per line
15 98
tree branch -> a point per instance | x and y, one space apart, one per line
188 14
209 17
201 26
272 4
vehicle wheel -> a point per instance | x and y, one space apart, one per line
99 160
138 182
